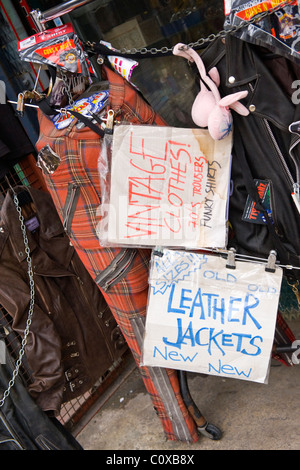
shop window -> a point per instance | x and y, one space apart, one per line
167 82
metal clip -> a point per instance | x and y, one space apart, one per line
26 95
158 251
72 386
231 259
20 104
271 266
110 122
100 59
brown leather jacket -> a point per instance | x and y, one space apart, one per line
72 340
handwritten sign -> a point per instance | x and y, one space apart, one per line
169 187
204 317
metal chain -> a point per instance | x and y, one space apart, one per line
31 304
211 37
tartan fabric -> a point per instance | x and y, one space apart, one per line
283 335
79 151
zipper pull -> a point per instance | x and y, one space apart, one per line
295 290
296 196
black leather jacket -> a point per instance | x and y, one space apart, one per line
263 146
23 425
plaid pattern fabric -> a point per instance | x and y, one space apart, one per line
79 151
283 335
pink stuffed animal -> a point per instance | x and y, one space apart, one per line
209 109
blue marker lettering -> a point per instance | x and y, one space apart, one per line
197 302
247 308
170 308
183 298
232 309
181 337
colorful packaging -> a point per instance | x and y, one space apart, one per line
85 106
59 47
122 65
279 31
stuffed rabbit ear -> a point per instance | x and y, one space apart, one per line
215 76
181 51
231 99
240 109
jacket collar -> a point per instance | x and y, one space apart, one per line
242 68
50 225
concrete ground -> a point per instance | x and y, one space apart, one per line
251 416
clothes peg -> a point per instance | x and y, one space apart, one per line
271 266
231 259
158 251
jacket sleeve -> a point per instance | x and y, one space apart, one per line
43 349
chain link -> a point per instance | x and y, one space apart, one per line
212 37
31 304
67 84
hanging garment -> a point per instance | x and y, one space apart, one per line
23 425
265 152
121 274
14 143
72 340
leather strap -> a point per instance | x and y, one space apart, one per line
49 110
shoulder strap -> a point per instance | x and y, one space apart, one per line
49 110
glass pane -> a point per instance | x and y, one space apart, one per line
17 75
167 82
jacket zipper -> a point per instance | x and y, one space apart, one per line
83 292
9 429
295 185
117 269
70 204
295 193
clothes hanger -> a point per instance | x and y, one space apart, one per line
23 195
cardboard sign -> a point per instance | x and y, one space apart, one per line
204 317
169 187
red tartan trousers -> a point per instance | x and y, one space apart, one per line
121 274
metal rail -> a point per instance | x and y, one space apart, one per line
41 18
